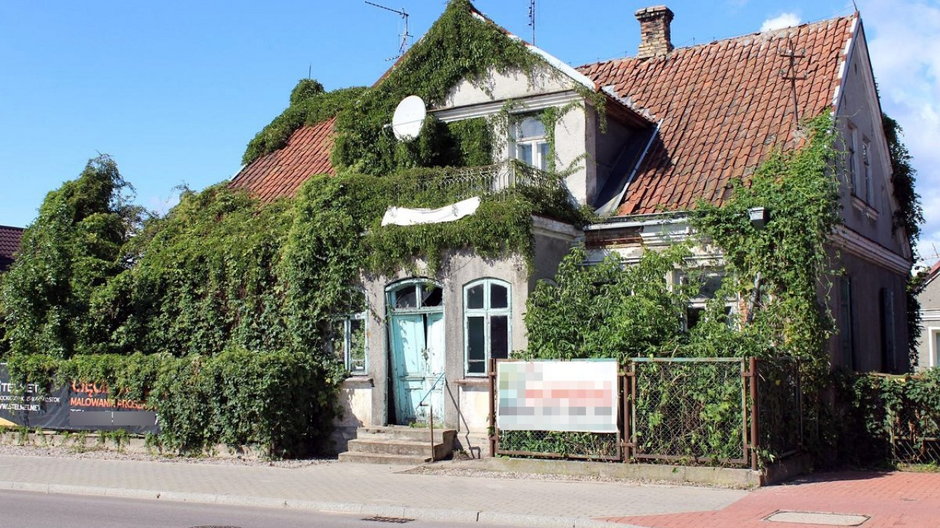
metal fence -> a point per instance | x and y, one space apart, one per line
702 411
495 181
780 404
692 410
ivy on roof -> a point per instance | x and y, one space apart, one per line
309 104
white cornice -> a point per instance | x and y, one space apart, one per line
542 225
867 249
538 102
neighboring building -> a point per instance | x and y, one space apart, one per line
928 346
681 124
10 238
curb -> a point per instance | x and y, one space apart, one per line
424 514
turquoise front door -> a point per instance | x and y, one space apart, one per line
416 331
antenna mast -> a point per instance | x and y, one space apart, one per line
789 74
405 35
532 19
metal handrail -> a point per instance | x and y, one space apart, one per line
430 389
431 409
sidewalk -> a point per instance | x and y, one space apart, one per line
363 489
911 500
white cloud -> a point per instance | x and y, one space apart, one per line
905 55
780 21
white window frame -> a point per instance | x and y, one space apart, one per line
487 312
540 160
852 159
347 342
700 302
933 354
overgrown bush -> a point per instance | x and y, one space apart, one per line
280 402
72 249
885 420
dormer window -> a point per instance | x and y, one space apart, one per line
531 143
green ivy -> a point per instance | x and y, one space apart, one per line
309 105
459 46
908 219
72 249
887 420
787 259
278 401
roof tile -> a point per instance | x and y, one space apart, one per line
281 173
10 238
724 107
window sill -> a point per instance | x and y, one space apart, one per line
482 381
859 205
361 380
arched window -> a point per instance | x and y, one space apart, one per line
487 332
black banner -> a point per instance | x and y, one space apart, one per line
76 407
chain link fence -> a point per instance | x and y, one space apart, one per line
689 410
699 411
780 404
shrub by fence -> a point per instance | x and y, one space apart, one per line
280 402
889 419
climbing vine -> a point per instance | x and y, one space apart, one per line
309 104
772 277
908 219
461 45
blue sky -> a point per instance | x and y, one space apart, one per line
174 90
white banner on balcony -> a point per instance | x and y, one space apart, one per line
405 216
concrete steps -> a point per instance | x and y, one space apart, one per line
399 445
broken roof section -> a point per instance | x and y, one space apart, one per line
724 107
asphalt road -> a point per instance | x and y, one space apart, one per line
41 510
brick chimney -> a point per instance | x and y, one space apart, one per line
655 38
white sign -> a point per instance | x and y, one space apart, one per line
577 395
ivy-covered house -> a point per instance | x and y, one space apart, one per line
640 141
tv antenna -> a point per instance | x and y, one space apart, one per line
789 74
532 19
404 35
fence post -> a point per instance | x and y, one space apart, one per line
624 409
492 377
755 414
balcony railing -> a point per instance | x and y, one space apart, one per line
493 181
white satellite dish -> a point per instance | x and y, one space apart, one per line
409 117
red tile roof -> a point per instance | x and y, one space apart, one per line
724 106
10 238
280 173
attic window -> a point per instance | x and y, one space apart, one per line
531 143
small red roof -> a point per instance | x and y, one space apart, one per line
281 173
10 238
724 107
